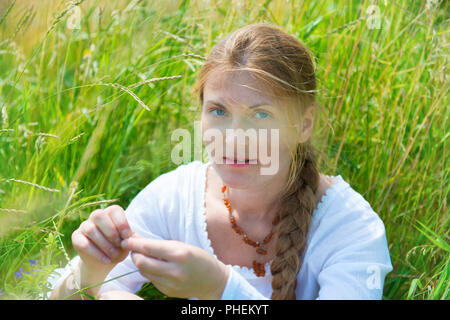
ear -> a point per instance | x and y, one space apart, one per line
307 124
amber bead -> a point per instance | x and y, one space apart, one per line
259 269
261 251
268 238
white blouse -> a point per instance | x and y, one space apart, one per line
346 254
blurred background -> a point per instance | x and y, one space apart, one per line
91 90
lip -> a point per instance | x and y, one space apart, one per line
236 164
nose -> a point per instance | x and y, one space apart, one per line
235 139
236 133
241 142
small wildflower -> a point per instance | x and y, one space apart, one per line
19 274
32 262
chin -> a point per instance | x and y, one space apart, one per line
235 177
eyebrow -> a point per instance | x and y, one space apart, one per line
254 106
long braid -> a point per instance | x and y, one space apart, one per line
295 217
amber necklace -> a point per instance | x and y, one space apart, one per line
259 268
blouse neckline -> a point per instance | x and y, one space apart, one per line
201 220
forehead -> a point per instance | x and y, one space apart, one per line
235 87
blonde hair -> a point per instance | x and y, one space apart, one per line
286 69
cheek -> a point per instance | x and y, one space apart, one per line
205 125
209 134
273 139
277 150
287 140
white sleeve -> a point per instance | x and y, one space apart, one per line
238 288
58 275
145 218
357 258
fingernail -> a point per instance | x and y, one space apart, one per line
106 260
125 233
124 243
114 252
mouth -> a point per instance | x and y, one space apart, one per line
237 161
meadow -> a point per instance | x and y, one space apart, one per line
91 90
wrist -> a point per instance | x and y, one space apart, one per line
217 292
86 276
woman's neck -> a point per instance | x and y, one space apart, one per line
258 204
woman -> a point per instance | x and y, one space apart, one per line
235 233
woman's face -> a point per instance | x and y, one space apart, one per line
237 101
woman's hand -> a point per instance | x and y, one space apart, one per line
98 238
178 269
118 295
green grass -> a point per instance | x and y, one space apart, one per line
74 121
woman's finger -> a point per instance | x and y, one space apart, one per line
82 244
151 265
117 215
90 230
161 249
107 227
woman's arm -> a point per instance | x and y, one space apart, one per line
80 278
238 288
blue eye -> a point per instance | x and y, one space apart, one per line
220 110
264 113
